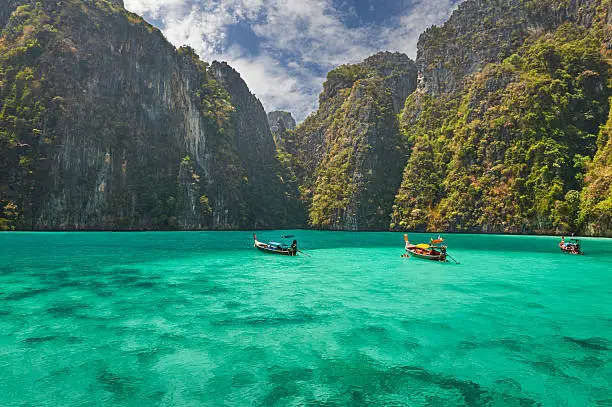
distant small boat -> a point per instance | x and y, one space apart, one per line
276 247
433 251
572 246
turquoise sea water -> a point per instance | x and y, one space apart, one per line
192 319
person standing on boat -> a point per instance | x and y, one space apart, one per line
293 248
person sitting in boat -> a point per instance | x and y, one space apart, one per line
293 248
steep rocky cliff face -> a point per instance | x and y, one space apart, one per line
596 200
266 191
596 210
280 122
350 153
485 31
282 125
105 125
7 8
507 119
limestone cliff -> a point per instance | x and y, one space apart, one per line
282 126
596 210
505 122
350 153
266 193
484 31
280 121
595 215
105 125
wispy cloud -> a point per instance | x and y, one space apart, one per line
298 41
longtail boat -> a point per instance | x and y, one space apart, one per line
276 247
572 246
433 251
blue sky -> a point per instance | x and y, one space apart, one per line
284 48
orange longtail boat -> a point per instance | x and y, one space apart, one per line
433 251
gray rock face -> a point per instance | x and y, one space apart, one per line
137 135
484 31
6 9
280 121
352 146
399 76
114 2
256 150
471 123
400 73
134 147
252 130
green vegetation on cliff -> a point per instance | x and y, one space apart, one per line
355 179
499 137
22 106
105 125
349 155
596 208
510 153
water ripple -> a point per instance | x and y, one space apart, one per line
162 319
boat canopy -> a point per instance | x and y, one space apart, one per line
277 244
423 246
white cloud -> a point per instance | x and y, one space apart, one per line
292 89
293 35
313 32
425 13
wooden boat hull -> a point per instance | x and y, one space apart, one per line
266 248
428 256
570 250
433 251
